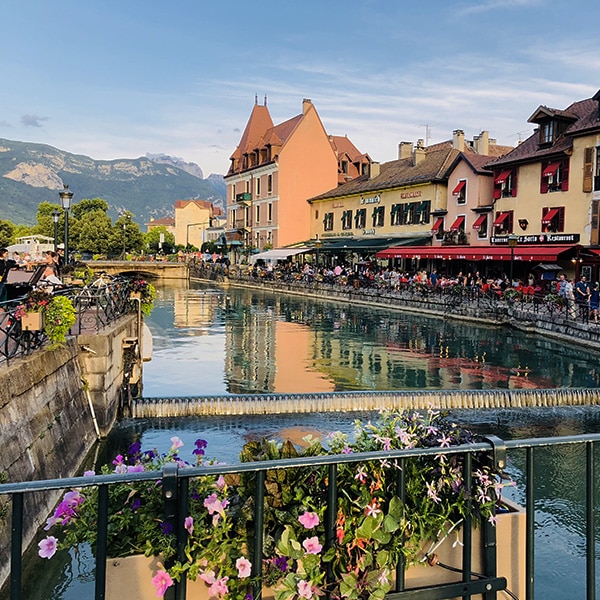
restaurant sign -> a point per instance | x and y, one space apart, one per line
371 200
543 238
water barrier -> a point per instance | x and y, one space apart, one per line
268 404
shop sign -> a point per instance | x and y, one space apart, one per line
371 199
415 194
368 232
543 238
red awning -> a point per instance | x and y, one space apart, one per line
460 186
500 218
541 253
547 218
457 224
502 177
550 169
438 224
479 222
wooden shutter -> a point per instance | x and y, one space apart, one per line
588 169
513 182
543 180
565 175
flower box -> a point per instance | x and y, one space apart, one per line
135 296
131 577
32 321
510 542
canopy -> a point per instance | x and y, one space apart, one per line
538 253
278 254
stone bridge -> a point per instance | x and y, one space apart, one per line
148 269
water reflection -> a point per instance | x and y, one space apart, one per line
207 341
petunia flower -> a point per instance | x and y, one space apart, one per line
176 443
47 547
188 523
162 581
305 589
244 567
312 546
309 519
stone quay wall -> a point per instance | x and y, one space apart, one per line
54 405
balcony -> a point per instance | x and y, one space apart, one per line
244 198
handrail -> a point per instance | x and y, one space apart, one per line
489 583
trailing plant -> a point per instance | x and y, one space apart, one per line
59 317
147 294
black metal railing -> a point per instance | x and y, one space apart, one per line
175 492
97 305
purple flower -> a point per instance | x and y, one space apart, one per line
188 523
139 468
282 564
47 547
135 449
166 528
135 503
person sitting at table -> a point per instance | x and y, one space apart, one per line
50 275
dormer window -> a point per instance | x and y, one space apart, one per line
547 132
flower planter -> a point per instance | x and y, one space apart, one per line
510 541
135 296
32 321
131 577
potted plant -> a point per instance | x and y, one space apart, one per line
60 316
31 311
373 526
145 292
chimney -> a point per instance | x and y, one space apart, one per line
458 140
306 103
405 150
481 143
374 170
418 153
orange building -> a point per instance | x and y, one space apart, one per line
273 171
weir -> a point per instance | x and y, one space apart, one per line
263 404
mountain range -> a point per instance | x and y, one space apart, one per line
148 186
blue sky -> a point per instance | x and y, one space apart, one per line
115 79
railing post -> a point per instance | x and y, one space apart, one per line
101 542
590 499
259 525
170 484
16 548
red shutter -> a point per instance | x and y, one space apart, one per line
543 182
561 219
497 193
565 176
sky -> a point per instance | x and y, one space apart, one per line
118 79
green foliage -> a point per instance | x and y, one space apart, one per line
152 240
58 319
7 230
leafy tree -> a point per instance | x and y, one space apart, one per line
45 222
94 231
88 205
125 236
7 231
152 239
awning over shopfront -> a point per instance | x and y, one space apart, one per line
278 254
368 244
538 253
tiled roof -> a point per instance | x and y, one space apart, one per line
586 113
342 145
205 204
166 221
259 122
434 166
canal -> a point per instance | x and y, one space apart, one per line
209 340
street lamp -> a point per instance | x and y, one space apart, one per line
65 199
126 221
512 242
55 217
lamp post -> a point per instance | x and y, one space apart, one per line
55 217
126 221
512 242
65 199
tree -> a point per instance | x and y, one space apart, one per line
125 236
7 231
152 239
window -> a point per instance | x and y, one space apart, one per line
257 214
360 218
397 214
547 132
270 212
269 184
460 192
505 184
233 193
597 171
258 187
553 219
438 228
503 223
347 219
423 212
247 216
378 216
555 176
481 226
344 166
328 222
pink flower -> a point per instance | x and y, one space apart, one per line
188 523
220 484
361 474
176 443
372 510
218 587
161 581
312 546
89 473
309 519
214 505
244 567
47 547
304 589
